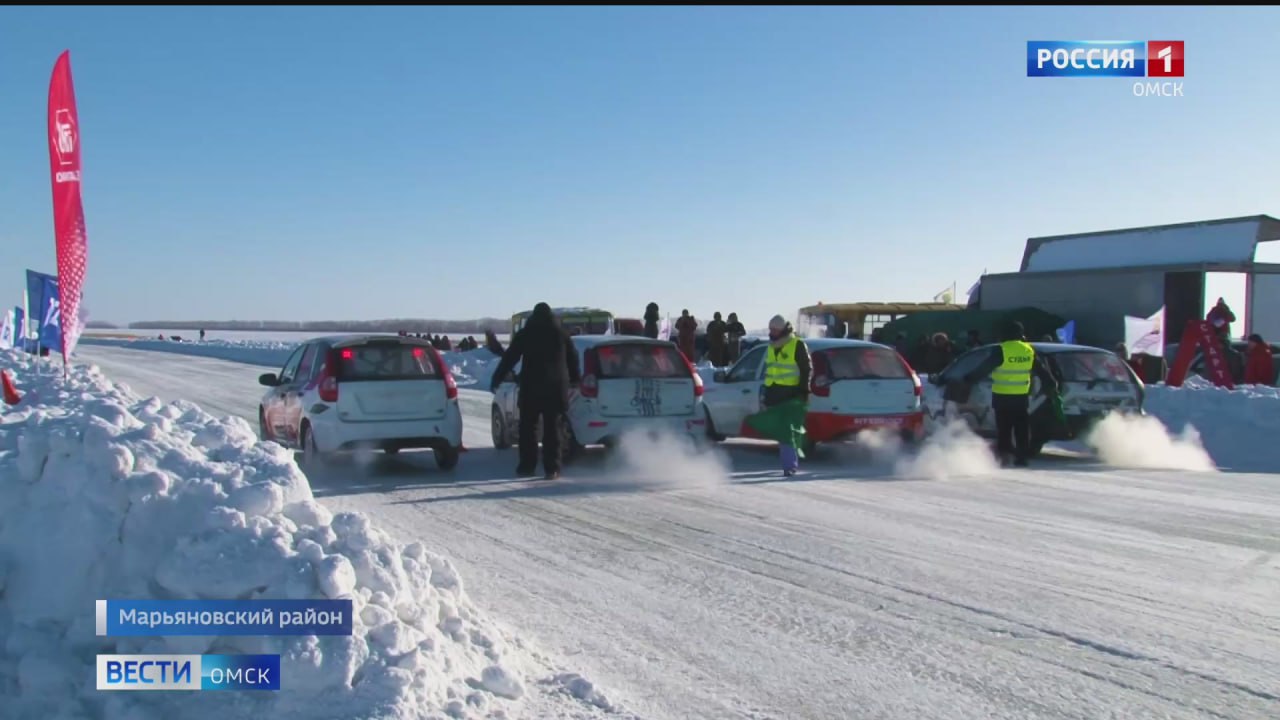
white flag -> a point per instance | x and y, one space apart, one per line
946 296
1145 335
6 330
664 329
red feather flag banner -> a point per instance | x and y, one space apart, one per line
68 212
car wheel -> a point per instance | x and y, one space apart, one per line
572 449
1037 445
501 438
446 457
808 446
311 455
712 435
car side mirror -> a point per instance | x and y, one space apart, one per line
268 379
935 379
720 376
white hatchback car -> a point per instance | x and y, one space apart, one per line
629 384
363 391
854 386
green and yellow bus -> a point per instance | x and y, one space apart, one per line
576 320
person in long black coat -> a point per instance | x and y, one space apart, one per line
549 368
651 320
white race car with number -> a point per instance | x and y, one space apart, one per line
629 384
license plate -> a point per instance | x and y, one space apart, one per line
879 421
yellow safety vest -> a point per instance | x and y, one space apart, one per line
780 367
1013 377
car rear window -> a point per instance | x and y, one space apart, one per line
640 361
857 363
1091 366
386 361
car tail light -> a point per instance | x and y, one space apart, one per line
693 372
590 386
917 386
450 384
328 388
820 383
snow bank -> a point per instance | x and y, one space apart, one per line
268 353
1236 427
105 495
470 369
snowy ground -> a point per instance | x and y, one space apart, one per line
105 494
255 336
870 587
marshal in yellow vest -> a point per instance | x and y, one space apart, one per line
1013 377
780 365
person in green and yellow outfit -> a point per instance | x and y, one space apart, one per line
1011 370
786 393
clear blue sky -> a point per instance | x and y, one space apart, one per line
344 163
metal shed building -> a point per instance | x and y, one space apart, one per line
1098 278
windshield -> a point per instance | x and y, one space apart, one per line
386 362
576 324
641 361
865 363
1091 367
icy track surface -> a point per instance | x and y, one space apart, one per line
689 590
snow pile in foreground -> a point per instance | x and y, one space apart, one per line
104 495
470 369
1237 427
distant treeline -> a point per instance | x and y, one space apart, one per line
416 325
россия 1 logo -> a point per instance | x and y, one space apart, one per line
1111 59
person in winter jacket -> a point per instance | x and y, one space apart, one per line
549 368
939 354
1260 367
1011 370
687 334
651 320
1220 318
786 393
716 341
736 332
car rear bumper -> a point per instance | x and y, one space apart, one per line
334 435
829 427
596 430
